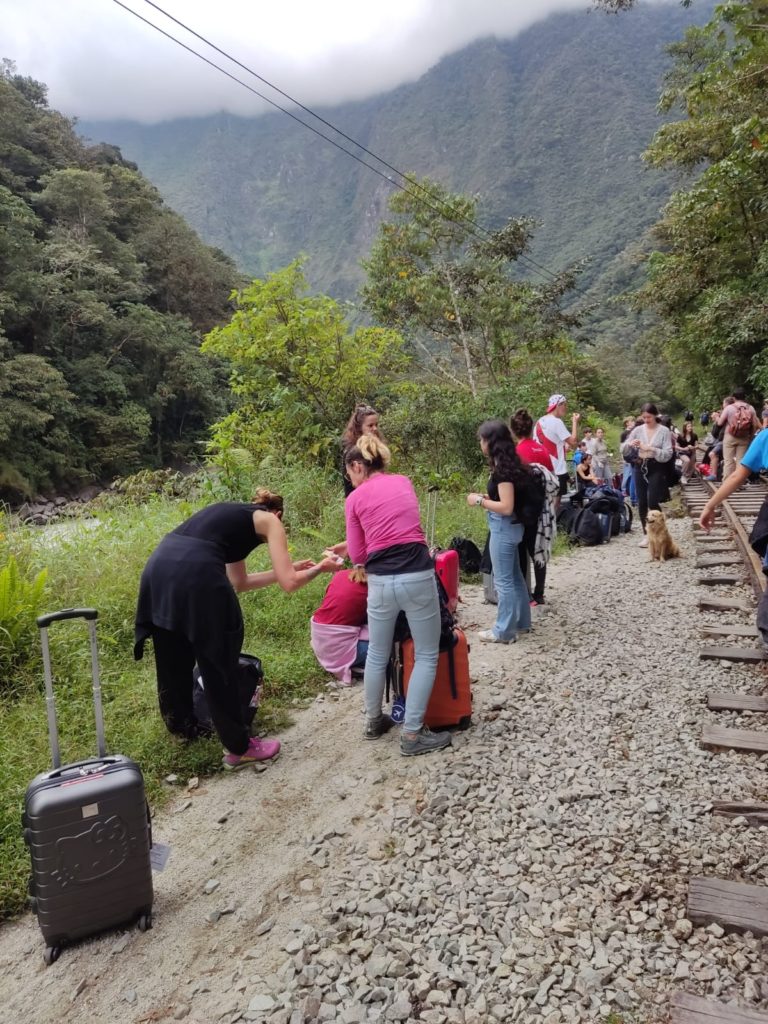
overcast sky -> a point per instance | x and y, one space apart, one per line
101 62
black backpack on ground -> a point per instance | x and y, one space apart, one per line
565 518
250 680
604 499
469 553
586 528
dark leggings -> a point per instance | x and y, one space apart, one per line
524 552
651 491
175 659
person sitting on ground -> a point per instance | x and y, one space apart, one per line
653 446
187 606
553 435
384 534
601 467
755 460
338 630
686 449
585 477
364 420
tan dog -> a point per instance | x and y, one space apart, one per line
660 543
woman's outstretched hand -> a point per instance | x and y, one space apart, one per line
304 563
331 563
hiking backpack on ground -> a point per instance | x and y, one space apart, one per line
87 827
469 554
250 681
586 529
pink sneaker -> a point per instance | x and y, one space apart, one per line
258 750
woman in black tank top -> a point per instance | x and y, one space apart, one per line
187 605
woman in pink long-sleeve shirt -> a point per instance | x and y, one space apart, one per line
384 533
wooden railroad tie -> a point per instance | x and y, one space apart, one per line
688 1009
736 702
723 604
748 654
735 739
735 906
734 629
719 581
726 558
753 813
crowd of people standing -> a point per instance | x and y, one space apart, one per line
188 608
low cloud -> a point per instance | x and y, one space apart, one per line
100 62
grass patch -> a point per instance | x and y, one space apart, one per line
99 566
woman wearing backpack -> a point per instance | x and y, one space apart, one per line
507 486
740 424
651 442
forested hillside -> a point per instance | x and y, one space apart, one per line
550 124
104 293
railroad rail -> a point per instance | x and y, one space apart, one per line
727 561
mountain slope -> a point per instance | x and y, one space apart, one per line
550 124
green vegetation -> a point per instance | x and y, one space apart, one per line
528 124
98 564
297 368
103 294
710 280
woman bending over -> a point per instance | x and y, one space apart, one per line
187 606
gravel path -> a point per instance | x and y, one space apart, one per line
537 872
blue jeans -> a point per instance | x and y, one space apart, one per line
628 483
414 593
514 610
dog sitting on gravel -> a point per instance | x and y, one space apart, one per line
660 543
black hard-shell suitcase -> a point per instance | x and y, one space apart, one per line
88 829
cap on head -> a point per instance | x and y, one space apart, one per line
554 401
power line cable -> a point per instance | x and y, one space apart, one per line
329 124
430 195
470 226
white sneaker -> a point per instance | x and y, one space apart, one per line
643 543
489 637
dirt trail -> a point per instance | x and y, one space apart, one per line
327 784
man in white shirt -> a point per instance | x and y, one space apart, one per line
552 433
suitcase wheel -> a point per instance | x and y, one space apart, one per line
145 922
51 954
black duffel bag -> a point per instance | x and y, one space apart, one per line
250 680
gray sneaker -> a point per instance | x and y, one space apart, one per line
424 742
376 727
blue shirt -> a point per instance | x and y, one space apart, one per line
756 457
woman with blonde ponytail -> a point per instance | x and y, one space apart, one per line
187 606
384 534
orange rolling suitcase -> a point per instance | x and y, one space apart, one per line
451 700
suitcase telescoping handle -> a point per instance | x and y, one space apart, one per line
44 621
431 516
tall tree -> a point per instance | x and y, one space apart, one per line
711 280
298 369
452 288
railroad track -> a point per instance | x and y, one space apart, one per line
727 561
